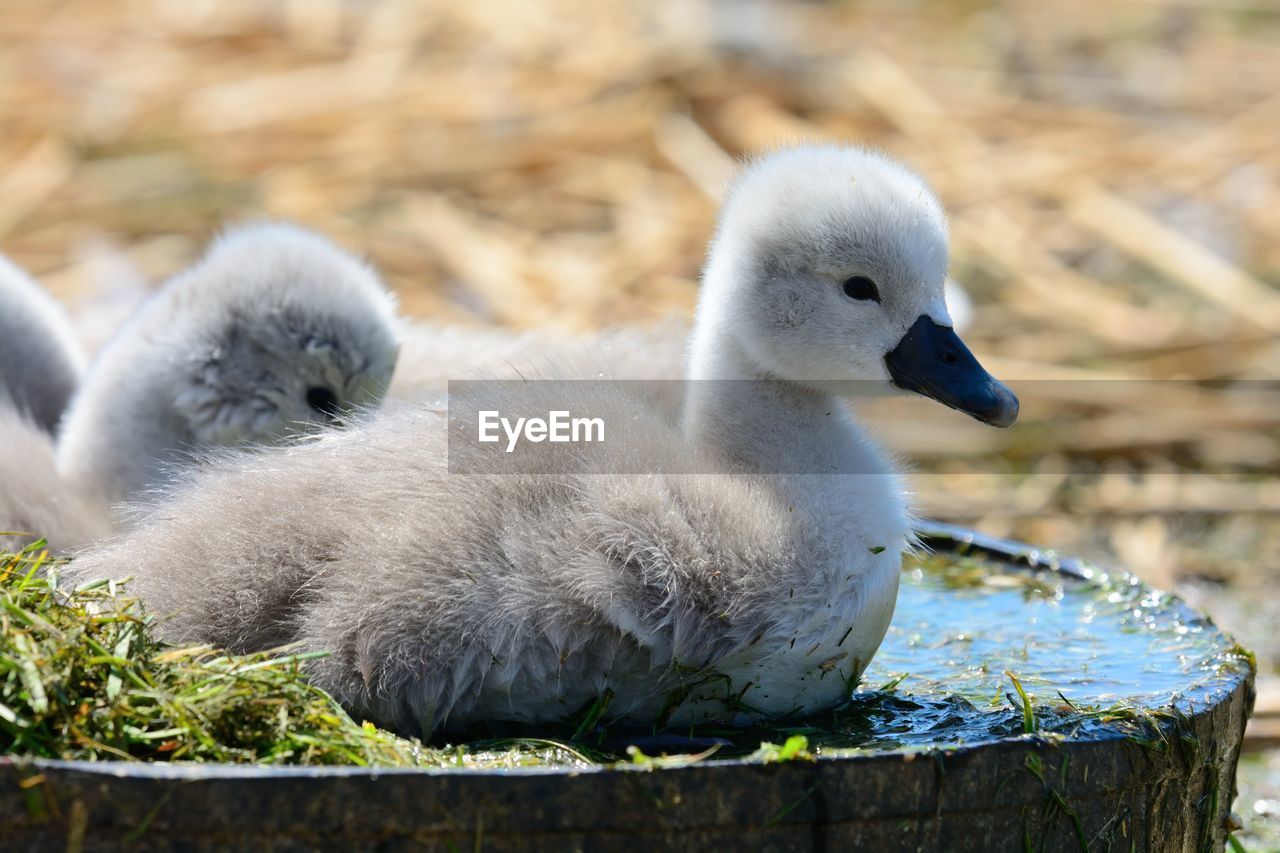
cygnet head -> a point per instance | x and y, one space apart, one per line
274 331
829 266
285 330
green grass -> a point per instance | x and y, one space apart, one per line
83 677
1030 725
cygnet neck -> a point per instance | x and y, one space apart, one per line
760 423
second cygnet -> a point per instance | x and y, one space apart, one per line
276 330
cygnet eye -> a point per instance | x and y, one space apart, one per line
323 401
860 287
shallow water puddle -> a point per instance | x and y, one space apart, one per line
1076 647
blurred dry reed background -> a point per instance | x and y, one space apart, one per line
1112 170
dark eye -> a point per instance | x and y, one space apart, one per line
324 401
860 287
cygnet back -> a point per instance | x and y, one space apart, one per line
40 361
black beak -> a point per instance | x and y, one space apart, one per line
933 361
324 403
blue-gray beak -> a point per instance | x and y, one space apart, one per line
933 361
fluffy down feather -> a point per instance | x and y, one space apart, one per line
40 361
274 331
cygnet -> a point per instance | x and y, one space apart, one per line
759 585
275 331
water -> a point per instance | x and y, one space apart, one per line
965 628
